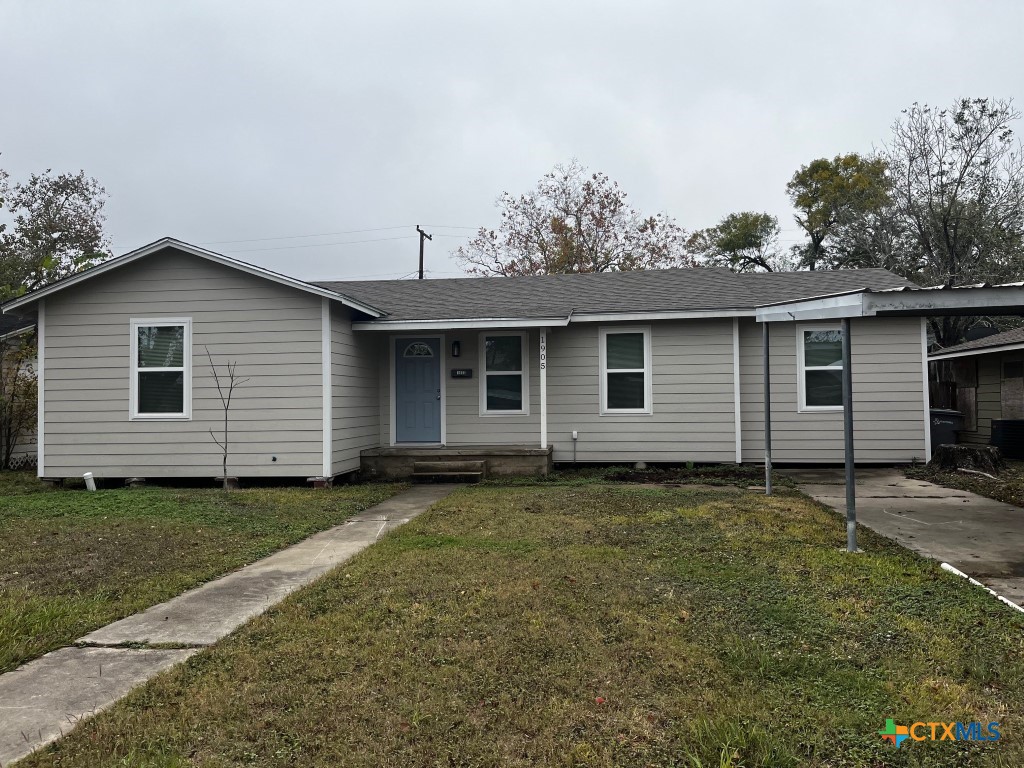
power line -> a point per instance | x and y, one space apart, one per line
322 245
298 237
329 234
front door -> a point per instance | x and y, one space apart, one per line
418 391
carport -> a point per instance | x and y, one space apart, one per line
981 299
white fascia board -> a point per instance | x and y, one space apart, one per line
690 314
575 317
170 242
978 351
482 323
824 308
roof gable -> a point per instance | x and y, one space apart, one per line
170 242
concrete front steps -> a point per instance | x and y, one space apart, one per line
463 463
449 471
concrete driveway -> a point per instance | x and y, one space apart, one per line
979 536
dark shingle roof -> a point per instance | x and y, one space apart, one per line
1013 336
550 296
14 323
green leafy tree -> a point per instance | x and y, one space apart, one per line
743 242
573 221
829 194
56 229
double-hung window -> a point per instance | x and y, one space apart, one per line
820 368
625 363
504 379
161 368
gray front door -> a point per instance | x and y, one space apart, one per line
418 391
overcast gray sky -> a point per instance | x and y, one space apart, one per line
222 121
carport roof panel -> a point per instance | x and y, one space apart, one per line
981 299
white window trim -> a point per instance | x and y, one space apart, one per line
143 322
801 369
602 344
524 354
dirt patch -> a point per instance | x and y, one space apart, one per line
715 477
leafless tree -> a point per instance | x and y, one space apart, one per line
573 221
958 183
226 391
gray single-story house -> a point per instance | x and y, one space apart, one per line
652 366
984 380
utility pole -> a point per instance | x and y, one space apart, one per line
422 236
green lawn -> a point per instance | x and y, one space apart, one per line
73 561
592 625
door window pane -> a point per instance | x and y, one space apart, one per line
418 349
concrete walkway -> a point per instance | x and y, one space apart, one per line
979 536
44 699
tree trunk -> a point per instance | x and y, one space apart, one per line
983 458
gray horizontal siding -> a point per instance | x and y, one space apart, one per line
270 331
355 404
888 396
692 417
465 424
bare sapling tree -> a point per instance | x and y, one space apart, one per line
225 391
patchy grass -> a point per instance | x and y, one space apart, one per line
1008 487
592 626
74 561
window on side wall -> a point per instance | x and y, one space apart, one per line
161 368
504 374
820 368
625 363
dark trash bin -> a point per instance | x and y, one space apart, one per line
945 423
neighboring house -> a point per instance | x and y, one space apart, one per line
15 330
983 379
654 366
